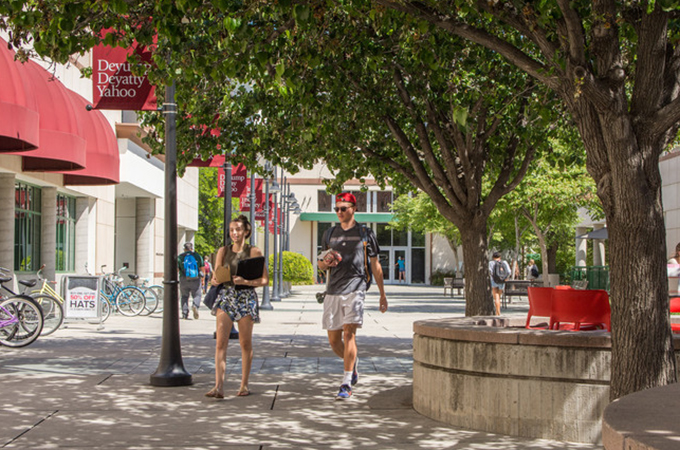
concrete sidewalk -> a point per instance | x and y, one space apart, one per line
83 387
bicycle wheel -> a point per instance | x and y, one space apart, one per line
53 313
130 301
160 294
105 307
21 321
151 301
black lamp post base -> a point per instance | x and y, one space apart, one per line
173 375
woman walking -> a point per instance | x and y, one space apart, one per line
236 302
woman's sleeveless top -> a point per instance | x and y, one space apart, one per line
231 258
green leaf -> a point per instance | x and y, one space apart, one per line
301 13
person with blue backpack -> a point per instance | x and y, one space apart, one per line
190 266
499 271
351 262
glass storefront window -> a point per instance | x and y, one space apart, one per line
399 238
27 227
66 233
384 235
417 239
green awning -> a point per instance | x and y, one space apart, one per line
359 217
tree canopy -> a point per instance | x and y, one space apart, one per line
294 82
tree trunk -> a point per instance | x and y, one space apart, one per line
478 299
552 258
630 190
454 248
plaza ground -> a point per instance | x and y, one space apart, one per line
87 388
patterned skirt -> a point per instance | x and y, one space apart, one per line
238 303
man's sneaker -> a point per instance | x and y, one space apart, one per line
355 372
195 311
345 392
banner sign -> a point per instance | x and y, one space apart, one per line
244 199
113 83
239 176
81 300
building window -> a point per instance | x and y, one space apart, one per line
27 227
325 201
66 233
384 201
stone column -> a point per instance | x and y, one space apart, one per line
7 196
581 247
145 251
48 244
598 249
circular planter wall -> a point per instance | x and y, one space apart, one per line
491 374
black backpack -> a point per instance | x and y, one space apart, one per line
368 273
500 273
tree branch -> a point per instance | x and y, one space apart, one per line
477 35
425 145
575 38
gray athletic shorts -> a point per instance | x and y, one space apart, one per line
339 310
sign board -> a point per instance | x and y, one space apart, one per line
114 84
81 299
239 177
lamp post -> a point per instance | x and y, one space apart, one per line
253 239
275 280
170 371
266 303
284 194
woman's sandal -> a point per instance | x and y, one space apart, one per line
214 393
243 393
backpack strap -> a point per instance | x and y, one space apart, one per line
364 240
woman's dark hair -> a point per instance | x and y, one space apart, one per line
677 251
246 224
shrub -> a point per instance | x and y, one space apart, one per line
437 277
296 269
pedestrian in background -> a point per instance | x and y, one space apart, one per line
401 264
190 275
499 271
352 245
207 274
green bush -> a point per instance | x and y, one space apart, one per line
437 278
296 269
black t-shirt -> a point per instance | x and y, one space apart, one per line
350 275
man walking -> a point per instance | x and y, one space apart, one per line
190 266
353 256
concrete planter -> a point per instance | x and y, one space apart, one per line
509 380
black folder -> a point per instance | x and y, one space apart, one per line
251 268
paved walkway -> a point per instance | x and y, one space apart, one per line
84 387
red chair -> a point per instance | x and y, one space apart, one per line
582 308
675 308
540 303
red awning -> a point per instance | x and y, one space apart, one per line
19 119
213 161
61 146
103 159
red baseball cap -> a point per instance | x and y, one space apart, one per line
346 197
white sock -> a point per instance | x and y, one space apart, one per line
348 378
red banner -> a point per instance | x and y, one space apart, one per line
259 196
113 83
239 176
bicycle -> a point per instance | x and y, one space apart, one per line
153 295
50 302
21 320
128 300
